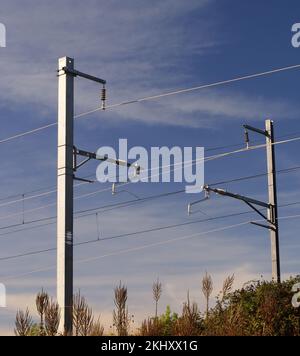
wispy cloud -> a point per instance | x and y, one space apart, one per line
122 41
141 48
137 57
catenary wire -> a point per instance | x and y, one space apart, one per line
155 97
155 229
23 194
53 189
128 250
192 161
138 248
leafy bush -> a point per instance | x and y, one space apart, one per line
260 308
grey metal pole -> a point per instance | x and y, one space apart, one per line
65 194
273 211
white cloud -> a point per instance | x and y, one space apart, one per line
133 45
123 41
140 48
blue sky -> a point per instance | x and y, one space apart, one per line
143 48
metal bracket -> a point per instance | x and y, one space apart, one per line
76 73
236 196
262 225
88 155
254 129
83 179
92 155
249 201
258 211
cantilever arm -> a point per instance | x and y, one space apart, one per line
249 201
235 196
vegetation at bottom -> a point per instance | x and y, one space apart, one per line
259 308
